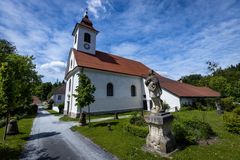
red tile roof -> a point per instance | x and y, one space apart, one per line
112 63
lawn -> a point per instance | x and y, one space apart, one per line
14 143
53 112
127 146
67 118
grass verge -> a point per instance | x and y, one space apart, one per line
126 146
53 112
13 146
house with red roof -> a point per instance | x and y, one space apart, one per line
119 81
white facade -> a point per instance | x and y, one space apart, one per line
121 99
58 98
172 100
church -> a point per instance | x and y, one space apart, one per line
119 81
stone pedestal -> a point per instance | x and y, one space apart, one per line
12 127
160 138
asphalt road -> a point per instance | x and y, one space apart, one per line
51 139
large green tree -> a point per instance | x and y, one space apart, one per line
18 79
84 94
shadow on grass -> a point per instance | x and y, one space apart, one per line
40 135
7 152
104 124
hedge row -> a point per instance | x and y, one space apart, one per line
136 130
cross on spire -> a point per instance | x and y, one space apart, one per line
86 12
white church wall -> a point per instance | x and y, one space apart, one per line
121 99
172 100
72 62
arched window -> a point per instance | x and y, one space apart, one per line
69 86
133 91
109 89
87 37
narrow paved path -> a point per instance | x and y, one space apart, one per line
51 139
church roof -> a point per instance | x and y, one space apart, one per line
86 22
112 63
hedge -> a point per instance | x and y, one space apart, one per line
136 130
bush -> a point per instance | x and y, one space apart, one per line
31 109
2 123
165 106
227 104
186 108
61 107
137 119
191 131
136 130
232 121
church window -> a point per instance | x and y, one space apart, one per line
133 91
109 89
69 86
71 63
87 37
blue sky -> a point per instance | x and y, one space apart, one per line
174 37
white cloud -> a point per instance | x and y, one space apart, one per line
54 70
125 49
98 7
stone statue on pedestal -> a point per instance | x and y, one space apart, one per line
160 138
155 91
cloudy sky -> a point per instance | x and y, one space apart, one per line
174 37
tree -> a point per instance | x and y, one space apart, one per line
220 84
84 94
213 66
192 79
18 79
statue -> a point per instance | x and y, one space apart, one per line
155 91
160 138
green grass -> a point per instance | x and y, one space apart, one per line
127 146
53 112
67 118
120 143
14 143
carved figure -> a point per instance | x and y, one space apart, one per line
155 91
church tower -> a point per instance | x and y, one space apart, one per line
85 36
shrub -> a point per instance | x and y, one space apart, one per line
227 104
191 131
186 108
137 119
2 123
165 106
31 109
136 130
237 111
232 121
61 107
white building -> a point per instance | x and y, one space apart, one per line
59 95
119 81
